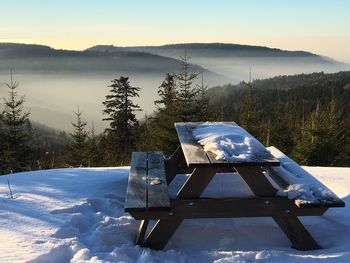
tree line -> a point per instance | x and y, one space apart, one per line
306 116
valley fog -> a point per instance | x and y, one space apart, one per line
53 98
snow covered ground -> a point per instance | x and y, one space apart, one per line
77 215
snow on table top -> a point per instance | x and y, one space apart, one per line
77 215
303 186
229 142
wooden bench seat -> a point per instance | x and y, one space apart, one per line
290 173
147 186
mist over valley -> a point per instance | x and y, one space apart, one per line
55 82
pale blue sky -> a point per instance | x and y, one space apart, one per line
320 26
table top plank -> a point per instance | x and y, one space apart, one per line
193 151
196 156
268 159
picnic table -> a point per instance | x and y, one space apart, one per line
148 198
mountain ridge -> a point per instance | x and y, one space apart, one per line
212 46
235 61
15 55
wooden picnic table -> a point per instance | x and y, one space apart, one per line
148 198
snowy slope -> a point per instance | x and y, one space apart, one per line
76 215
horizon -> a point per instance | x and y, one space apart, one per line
318 27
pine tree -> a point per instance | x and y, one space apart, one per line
186 91
162 125
282 128
2 144
202 102
344 156
92 145
78 149
249 117
145 140
120 111
319 143
17 147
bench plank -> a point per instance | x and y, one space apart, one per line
136 196
276 173
158 197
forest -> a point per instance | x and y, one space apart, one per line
306 116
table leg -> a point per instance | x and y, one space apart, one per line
295 231
256 180
196 183
161 233
142 232
192 188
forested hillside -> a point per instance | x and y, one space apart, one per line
307 115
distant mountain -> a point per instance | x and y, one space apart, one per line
234 61
38 58
211 50
55 82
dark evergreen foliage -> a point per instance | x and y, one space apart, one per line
168 112
120 111
78 148
307 116
16 133
50 147
202 102
303 115
187 92
92 148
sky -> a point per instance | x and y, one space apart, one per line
318 26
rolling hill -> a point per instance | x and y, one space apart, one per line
38 58
55 82
234 60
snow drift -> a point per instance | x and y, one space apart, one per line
77 215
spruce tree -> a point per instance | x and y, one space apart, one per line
17 148
186 92
282 127
344 156
120 111
168 106
319 141
202 102
146 141
2 144
249 117
78 149
92 145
